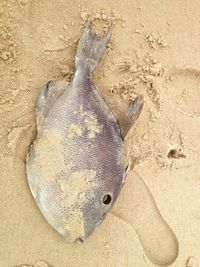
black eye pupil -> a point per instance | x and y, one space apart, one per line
107 199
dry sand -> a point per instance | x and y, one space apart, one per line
155 52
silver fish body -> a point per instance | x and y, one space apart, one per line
76 166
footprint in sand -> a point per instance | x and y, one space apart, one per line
183 89
157 239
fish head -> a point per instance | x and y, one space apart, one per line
86 200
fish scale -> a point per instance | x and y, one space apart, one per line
76 166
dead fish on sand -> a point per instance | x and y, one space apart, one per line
76 166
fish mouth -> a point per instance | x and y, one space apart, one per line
75 240
79 240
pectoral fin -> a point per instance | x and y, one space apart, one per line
48 95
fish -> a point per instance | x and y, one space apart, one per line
77 166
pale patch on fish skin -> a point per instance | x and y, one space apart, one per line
104 107
77 185
120 159
90 123
74 226
92 126
81 110
74 130
115 135
50 161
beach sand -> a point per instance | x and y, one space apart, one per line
154 51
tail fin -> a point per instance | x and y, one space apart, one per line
91 47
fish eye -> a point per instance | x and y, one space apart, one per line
107 199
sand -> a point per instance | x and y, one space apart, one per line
154 51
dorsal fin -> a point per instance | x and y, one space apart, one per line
49 93
126 114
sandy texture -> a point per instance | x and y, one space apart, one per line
154 51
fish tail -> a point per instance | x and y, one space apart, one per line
91 46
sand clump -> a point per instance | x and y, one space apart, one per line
49 163
155 41
74 130
142 75
77 185
75 226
